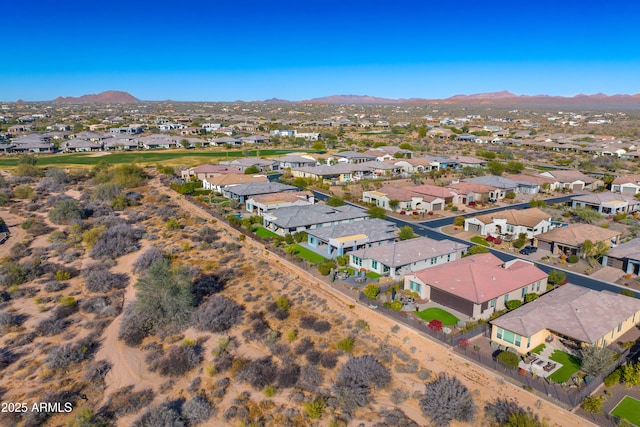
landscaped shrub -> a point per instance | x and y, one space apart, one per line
396 305
556 277
98 278
530 297
573 259
613 378
509 359
217 314
371 291
435 325
513 304
595 360
447 399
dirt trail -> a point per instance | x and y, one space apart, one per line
17 233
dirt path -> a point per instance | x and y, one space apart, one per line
17 233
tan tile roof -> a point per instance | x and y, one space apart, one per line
627 179
576 234
282 197
471 187
236 178
577 312
480 278
526 217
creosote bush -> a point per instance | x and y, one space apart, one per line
217 314
447 399
116 241
98 278
178 360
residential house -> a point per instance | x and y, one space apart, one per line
255 139
346 172
568 240
260 204
219 182
158 142
502 186
628 184
80 145
301 218
245 163
586 316
226 140
407 199
291 161
477 285
444 162
242 192
625 257
121 144
470 162
415 165
353 157
537 183
511 222
403 257
573 180
389 152
607 203
339 239
472 192
203 172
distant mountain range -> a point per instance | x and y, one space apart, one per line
108 97
491 98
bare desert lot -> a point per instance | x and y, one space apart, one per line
136 307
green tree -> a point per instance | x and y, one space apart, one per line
509 359
164 294
406 233
377 212
631 374
422 132
300 182
556 277
66 211
318 146
371 291
593 404
592 252
495 167
251 170
393 204
458 221
514 167
128 175
334 201
595 360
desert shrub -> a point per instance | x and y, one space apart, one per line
259 373
509 359
35 226
197 410
573 259
164 294
23 191
172 224
399 396
106 192
117 241
612 379
217 314
303 346
66 211
313 357
208 284
135 326
314 408
165 212
128 175
98 278
364 370
7 357
178 360
288 375
159 416
346 344
62 356
148 257
504 411
447 399
208 235
328 360
310 378
51 327
96 304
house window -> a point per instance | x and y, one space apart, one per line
415 286
374 265
510 229
433 260
357 261
528 342
619 327
506 298
538 286
524 292
499 334
312 240
448 257
508 336
493 303
518 340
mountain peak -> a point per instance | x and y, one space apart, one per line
108 97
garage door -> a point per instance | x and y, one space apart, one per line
545 246
437 206
575 187
474 227
629 191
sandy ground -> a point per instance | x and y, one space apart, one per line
485 384
17 233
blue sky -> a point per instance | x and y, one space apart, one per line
221 50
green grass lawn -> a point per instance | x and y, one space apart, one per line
539 349
628 409
480 240
309 255
264 233
445 317
372 275
570 365
166 157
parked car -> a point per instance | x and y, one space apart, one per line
528 250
